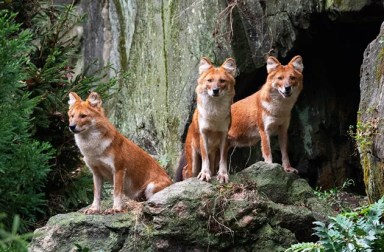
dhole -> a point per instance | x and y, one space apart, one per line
268 111
207 134
111 156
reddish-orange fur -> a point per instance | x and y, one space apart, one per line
268 111
206 142
111 156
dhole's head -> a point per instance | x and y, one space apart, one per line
83 114
216 81
286 79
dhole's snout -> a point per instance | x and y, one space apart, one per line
215 91
287 91
73 129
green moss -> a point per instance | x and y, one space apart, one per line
380 59
269 239
346 6
373 177
373 169
300 191
63 220
163 21
122 35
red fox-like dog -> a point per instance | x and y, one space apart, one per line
268 111
207 135
111 156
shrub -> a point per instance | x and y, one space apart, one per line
360 230
50 77
11 240
23 160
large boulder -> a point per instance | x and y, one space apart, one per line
261 209
369 134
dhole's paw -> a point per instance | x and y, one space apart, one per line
291 170
91 211
222 177
112 211
204 176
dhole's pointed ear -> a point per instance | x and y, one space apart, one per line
73 98
94 99
205 64
272 64
297 63
230 66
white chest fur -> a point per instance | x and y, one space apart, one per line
214 112
92 143
93 146
278 111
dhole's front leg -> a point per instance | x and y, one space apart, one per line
222 175
118 188
205 173
196 162
97 185
265 146
213 161
283 142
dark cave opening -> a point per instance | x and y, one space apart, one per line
332 51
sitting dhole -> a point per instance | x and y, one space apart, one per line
111 156
268 111
207 135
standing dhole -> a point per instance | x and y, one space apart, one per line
207 135
268 111
111 156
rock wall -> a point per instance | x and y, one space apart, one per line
369 129
157 45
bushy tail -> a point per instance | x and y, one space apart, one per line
182 164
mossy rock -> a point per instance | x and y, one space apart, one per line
243 215
369 129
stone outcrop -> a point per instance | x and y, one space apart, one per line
261 209
369 128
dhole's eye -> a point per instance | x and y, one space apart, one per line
280 77
293 78
221 81
83 115
209 80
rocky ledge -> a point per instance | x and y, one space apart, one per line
261 209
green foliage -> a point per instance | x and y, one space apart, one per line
12 241
360 230
305 247
51 76
48 54
334 195
79 248
77 193
365 131
23 161
333 192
